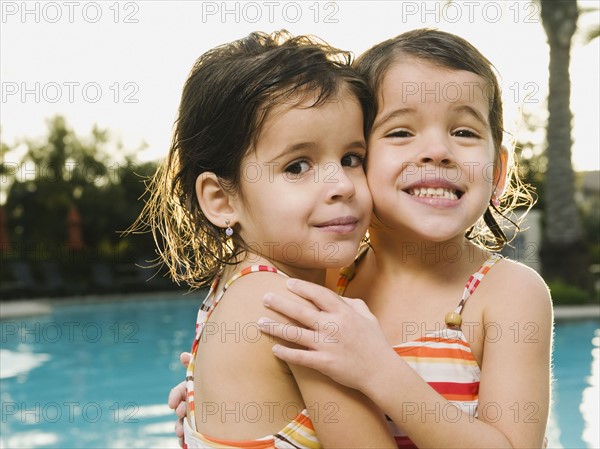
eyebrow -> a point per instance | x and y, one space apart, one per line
406 111
464 108
298 147
313 146
395 113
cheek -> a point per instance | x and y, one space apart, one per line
361 186
374 181
380 157
484 177
382 172
379 193
283 198
363 196
257 205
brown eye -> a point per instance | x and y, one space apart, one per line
297 168
400 133
352 160
465 133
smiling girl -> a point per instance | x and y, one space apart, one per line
455 343
265 180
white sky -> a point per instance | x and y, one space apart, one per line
89 60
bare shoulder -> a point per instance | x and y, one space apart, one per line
233 335
244 298
232 344
518 290
517 277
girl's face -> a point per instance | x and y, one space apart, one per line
431 154
304 200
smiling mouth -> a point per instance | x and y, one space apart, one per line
341 225
435 192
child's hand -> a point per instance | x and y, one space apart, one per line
185 357
176 399
177 402
344 340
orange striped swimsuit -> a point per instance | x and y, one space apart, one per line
298 434
442 358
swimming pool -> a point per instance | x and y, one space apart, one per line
98 375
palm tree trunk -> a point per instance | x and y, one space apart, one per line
564 252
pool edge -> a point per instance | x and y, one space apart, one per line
43 306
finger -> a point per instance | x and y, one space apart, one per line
181 410
320 296
302 357
358 305
176 395
179 428
287 332
301 312
185 358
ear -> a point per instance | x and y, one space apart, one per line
216 203
500 172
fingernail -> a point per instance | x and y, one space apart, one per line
275 349
263 321
267 299
291 283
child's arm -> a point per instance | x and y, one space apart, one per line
325 410
515 378
342 417
343 337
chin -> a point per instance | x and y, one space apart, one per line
338 254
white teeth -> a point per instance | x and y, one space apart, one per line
430 192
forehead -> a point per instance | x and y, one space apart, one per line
302 109
412 81
298 124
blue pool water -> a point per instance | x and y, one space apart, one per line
576 393
98 375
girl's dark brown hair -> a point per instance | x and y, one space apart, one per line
225 100
450 51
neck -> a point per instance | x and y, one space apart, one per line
398 253
315 275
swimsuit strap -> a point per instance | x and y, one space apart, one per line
248 270
204 313
476 279
348 272
212 300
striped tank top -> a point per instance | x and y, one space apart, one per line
442 358
297 434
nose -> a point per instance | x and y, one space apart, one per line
436 149
338 182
